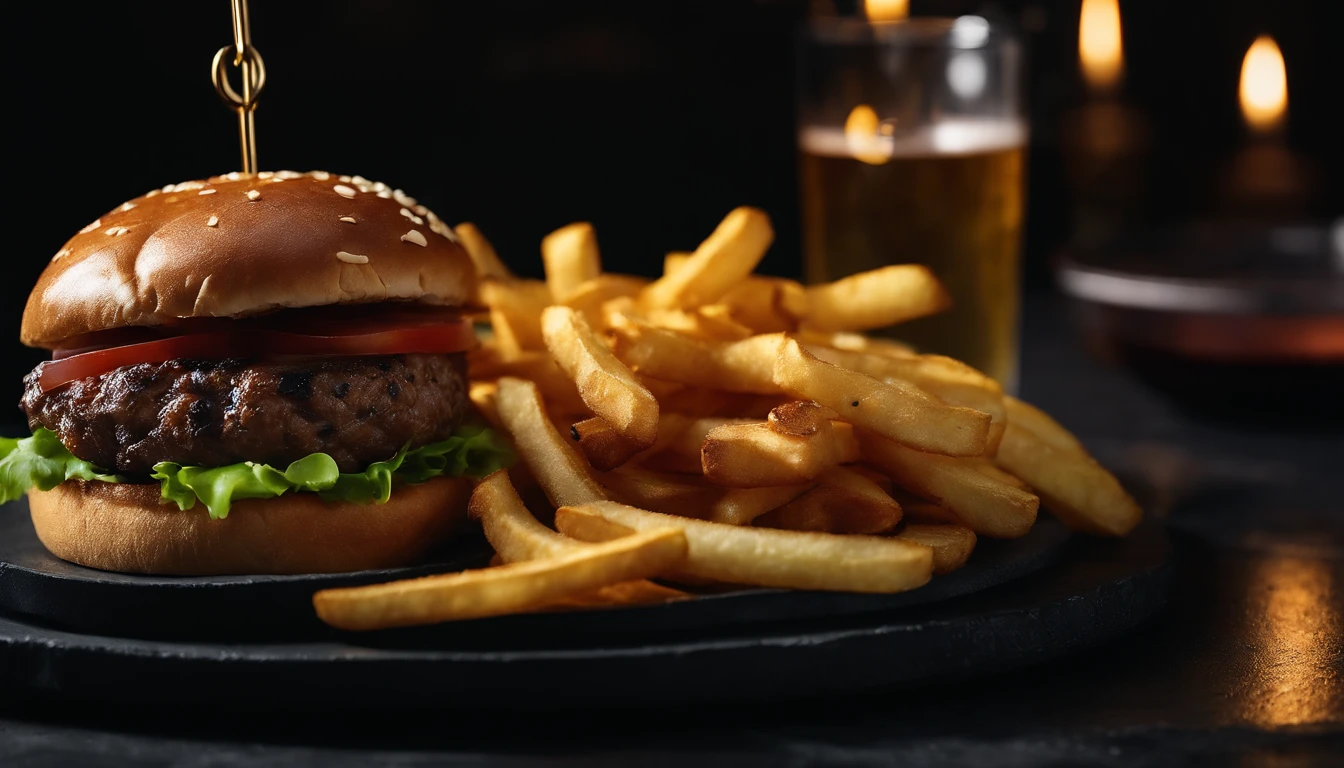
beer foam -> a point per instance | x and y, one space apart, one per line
946 137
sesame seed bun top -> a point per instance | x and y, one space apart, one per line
236 246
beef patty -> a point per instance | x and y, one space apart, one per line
216 412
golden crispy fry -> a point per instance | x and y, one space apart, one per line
800 418
951 381
849 341
736 366
951 544
512 588
891 409
711 323
514 533
877 478
740 506
482 253
875 299
482 395
592 295
721 261
661 492
519 303
640 592
505 337
673 260
608 387
915 510
569 255
557 466
603 446
792 559
987 506
557 388
754 455
1071 483
1041 424
1007 478
758 303
844 502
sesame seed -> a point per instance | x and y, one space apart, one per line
352 258
343 179
288 175
415 236
127 206
253 194
348 219
379 186
151 193
96 223
403 198
213 221
168 187
264 175
233 175
187 186
421 210
116 231
61 254
276 180
383 193
344 191
359 180
320 175
207 191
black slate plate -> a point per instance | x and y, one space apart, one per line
1096 590
36 584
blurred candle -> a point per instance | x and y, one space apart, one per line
1266 178
1104 138
886 10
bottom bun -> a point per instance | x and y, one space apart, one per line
125 527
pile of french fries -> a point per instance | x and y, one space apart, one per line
713 426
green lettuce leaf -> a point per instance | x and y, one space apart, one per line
41 462
470 451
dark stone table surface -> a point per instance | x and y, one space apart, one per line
1245 666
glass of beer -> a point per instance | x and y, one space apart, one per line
912 140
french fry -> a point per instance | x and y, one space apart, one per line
482 395
754 455
844 502
591 296
514 533
660 491
874 299
800 418
602 444
517 304
673 260
1041 424
796 560
608 387
987 506
711 323
758 303
1072 485
721 261
506 589
951 544
951 381
481 252
892 409
558 467
569 255
740 506
917 511
849 341
558 389
736 366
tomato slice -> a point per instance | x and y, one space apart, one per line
378 338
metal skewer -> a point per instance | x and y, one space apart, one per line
253 72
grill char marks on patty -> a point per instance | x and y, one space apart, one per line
216 412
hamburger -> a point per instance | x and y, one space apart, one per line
251 374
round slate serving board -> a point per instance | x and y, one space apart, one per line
36 584
1094 591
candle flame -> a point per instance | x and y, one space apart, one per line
1264 85
862 129
886 10
1099 44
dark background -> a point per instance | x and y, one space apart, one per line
650 119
